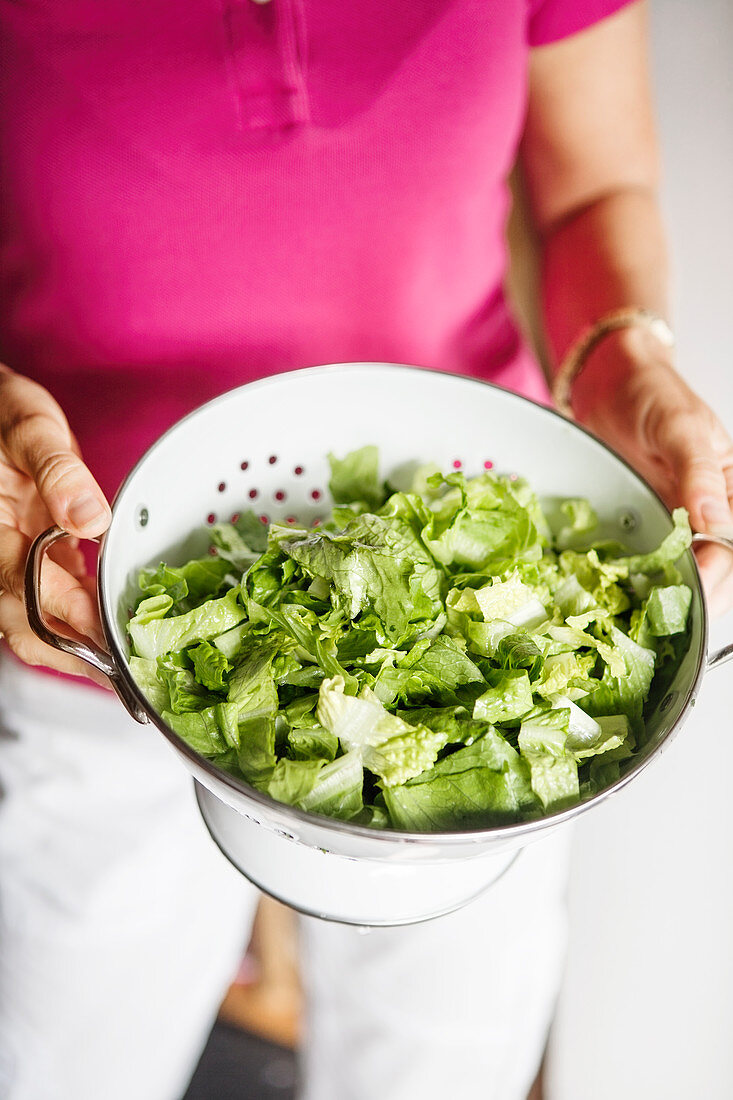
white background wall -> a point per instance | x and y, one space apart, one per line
647 1008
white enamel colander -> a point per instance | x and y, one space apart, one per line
264 446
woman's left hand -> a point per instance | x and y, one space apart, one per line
630 395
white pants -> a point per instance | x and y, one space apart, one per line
121 925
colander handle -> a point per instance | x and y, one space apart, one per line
726 652
86 651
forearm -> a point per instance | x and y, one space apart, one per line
609 255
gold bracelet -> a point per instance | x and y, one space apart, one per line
577 357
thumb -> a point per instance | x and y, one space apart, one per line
701 481
35 436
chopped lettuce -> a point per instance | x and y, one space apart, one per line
355 478
484 784
153 634
508 696
432 658
543 742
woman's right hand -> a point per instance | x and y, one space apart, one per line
43 481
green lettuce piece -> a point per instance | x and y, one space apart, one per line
389 747
153 635
520 651
291 780
302 627
667 609
523 493
164 580
270 576
485 783
572 599
199 579
614 732
252 682
663 614
588 736
184 691
357 721
145 675
567 673
152 609
306 677
443 660
671 549
229 642
313 743
606 768
404 756
661 624
240 543
455 723
210 666
508 697
582 521
484 638
554 770
571 638
599 578
256 750
374 564
337 791
300 712
357 645
490 750
208 731
374 816
356 478
431 670
511 601
407 510
625 693
479 525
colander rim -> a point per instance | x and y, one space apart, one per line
294 815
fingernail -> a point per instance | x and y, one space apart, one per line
86 511
717 518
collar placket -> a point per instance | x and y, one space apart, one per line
267 44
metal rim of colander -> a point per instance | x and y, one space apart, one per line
390 836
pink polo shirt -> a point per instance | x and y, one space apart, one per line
196 193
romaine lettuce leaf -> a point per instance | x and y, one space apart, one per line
187 585
209 731
145 675
183 689
337 791
355 478
669 551
479 525
543 744
251 682
153 635
508 697
627 692
210 666
482 784
312 743
582 520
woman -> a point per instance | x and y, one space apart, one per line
198 195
